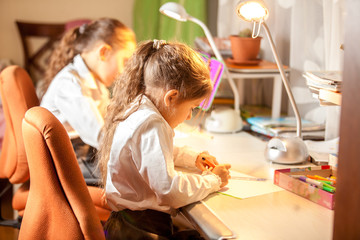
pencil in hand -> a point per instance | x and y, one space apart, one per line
208 163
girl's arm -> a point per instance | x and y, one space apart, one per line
80 112
186 157
172 188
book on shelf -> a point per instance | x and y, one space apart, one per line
286 126
317 86
325 77
329 80
312 135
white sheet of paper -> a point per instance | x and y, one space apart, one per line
248 188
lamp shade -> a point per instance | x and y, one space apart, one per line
283 150
175 11
252 11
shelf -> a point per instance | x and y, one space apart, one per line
330 96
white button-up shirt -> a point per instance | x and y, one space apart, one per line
78 100
141 173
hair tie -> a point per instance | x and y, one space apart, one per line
82 28
158 43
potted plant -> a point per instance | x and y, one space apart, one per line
244 48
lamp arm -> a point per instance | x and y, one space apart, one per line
285 81
218 56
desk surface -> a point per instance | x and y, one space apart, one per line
279 215
263 66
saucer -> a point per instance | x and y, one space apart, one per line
248 62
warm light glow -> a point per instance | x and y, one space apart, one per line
252 11
172 15
175 11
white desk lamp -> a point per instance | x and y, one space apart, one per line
224 120
290 150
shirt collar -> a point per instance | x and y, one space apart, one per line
87 77
147 102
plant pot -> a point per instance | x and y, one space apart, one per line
245 48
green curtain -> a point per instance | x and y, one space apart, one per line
149 23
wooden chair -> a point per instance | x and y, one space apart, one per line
59 199
17 95
35 60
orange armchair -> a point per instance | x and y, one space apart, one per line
59 201
17 95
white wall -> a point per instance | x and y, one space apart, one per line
53 11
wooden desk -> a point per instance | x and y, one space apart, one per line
265 70
279 215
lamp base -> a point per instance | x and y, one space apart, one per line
286 150
224 120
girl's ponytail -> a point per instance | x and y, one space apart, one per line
129 86
60 57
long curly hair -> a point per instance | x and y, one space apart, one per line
82 38
169 66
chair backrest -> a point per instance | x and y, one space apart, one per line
36 57
17 95
35 60
58 199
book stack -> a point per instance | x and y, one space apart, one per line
286 126
323 152
325 86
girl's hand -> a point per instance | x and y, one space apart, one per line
205 161
222 171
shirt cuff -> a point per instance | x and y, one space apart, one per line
185 157
213 178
